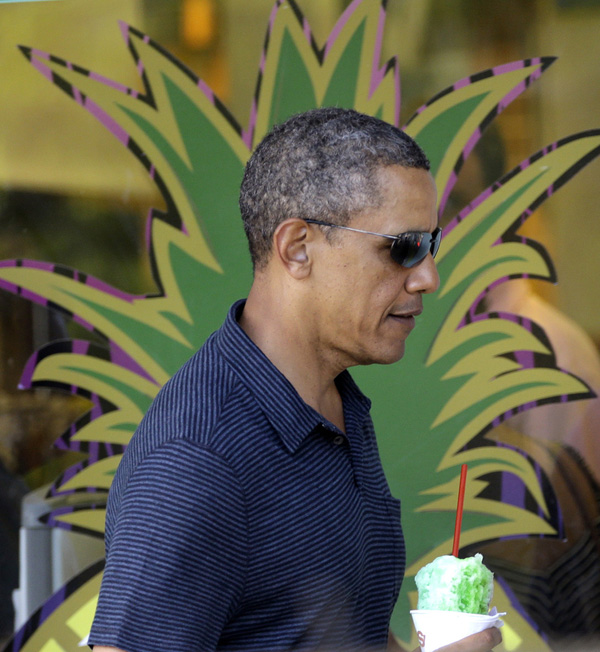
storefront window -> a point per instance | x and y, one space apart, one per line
72 195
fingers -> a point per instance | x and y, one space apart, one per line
480 642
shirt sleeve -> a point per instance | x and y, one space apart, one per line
177 557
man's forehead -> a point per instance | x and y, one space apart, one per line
405 199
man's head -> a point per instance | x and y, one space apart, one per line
320 165
349 295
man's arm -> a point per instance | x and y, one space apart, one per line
178 549
481 642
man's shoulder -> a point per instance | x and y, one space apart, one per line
186 412
205 366
190 402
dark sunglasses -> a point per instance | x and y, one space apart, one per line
408 248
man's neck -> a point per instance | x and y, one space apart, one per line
277 334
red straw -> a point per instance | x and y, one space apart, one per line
459 508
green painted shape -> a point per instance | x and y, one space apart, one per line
125 427
172 158
411 450
424 406
165 351
293 90
436 136
207 294
213 189
141 400
436 308
342 90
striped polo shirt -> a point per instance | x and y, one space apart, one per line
241 519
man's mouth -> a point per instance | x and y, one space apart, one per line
406 314
405 317
408 319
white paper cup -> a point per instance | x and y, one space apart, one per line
438 628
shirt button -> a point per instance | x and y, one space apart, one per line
338 440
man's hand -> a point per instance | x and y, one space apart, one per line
480 642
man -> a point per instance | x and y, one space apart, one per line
250 511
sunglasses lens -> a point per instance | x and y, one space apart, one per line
411 248
406 250
435 240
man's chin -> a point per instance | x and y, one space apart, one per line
393 359
384 357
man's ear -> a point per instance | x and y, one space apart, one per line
291 242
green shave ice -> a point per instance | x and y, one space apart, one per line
452 584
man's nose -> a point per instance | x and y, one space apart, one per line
424 277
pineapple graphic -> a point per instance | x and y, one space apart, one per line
465 369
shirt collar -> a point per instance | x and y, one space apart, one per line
289 415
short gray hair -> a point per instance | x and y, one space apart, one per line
319 165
